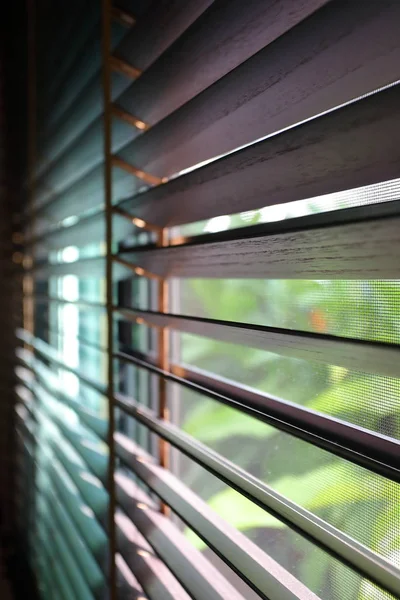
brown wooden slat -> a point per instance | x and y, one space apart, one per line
84 112
152 574
321 63
363 447
157 29
331 153
85 231
299 163
87 268
84 157
190 508
80 73
278 20
146 43
84 67
371 357
90 186
270 22
223 37
362 243
191 568
260 571
128 586
83 31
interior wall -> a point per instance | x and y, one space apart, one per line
13 113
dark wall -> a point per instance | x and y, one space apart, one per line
13 129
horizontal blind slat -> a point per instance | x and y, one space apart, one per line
84 268
191 568
158 29
92 453
141 47
78 584
90 187
330 153
127 584
84 232
347 549
47 542
49 353
53 300
83 111
372 357
88 485
155 578
259 570
88 568
53 31
321 63
79 511
270 21
228 33
85 66
85 155
95 423
358 245
82 41
361 446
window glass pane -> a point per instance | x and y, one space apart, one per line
356 501
384 191
332 488
368 310
364 399
324 575
230 575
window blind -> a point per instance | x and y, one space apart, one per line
208 368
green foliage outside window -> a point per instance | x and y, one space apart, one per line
363 505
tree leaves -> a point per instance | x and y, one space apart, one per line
357 502
238 512
318 490
211 422
358 395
